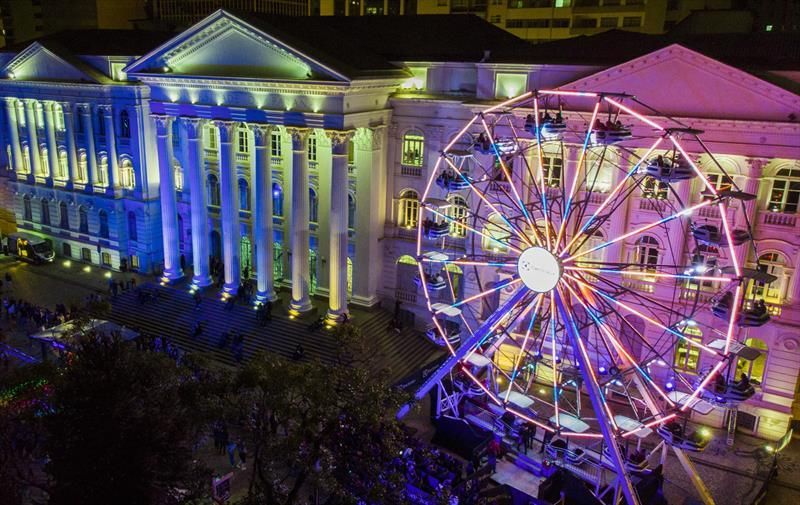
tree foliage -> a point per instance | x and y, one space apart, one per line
323 426
123 427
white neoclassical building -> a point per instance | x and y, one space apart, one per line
296 151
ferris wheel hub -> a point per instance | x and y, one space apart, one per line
539 269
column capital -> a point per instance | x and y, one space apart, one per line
193 126
225 127
84 108
299 138
261 133
163 123
29 101
105 107
756 166
340 140
10 100
66 107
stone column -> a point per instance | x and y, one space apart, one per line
52 147
91 154
262 212
169 206
13 135
195 170
301 278
111 147
338 218
69 138
229 206
33 138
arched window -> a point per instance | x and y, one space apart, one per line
244 195
351 211
754 369
102 170
45 212
177 172
27 212
591 259
313 206
277 200
63 215
495 235
83 217
458 211
101 122
409 209
103 217
63 165
126 174
133 232
213 190
243 139
774 264
413 149
785 195
647 255
124 125
82 164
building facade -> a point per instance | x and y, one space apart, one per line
300 163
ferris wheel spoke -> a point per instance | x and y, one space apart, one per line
645 317
473 230
514 280
507 174
581 158
555 358
592 311
634 273
481 195
611 195
462 262
642 229
534 180
536 304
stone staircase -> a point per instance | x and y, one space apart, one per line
174 316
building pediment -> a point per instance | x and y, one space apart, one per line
40 63
226 46
680 82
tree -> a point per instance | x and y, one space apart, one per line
123 426
323 426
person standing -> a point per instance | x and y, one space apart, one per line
242 454
232 453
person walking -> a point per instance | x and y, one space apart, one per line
232 453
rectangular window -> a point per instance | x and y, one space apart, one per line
560 22
529 4
211 137
608 22
312 149
413 147
632 21
552 170
134 262
510 85
244 141
611 3
105 258
720 182
585 23
275 144
86 254
66 250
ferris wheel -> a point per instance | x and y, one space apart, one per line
569 246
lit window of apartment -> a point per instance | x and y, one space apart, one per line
687 356
720 182
632 21
413 149
610 22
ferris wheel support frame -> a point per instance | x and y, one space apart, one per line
482 332
598 404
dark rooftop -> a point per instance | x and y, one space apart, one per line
101 42
750 51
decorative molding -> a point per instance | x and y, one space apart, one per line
340 140
163 123
261 133
225 128
193 126
299 138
